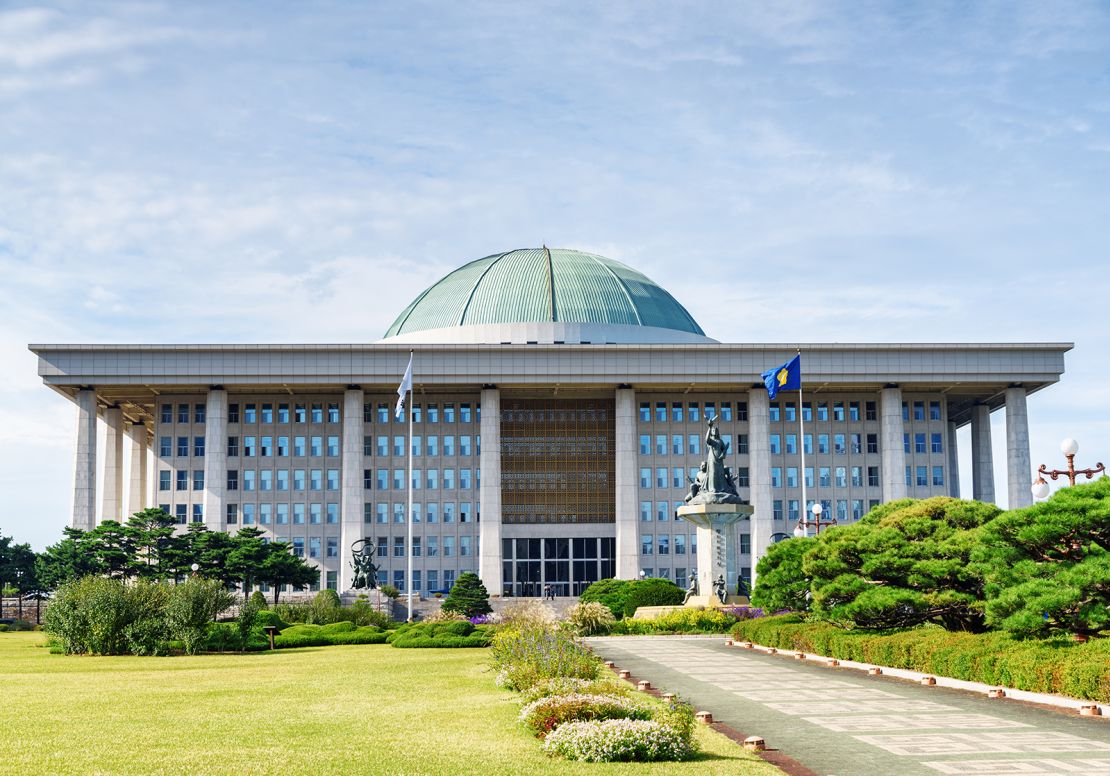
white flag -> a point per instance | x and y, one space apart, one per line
405 386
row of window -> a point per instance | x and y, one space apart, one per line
841 507
381 445
692 411
319 446
418 583
660 544
427 546
935 443
428 512
423 413
422 479
827 476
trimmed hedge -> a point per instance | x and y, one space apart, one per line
1058 665
328 635
452 633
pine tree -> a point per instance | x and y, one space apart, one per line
468 596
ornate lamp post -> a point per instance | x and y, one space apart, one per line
802 529
1069 447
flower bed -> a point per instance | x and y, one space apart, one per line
545 714
617 740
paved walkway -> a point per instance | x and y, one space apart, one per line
841 723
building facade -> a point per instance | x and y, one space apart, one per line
559 409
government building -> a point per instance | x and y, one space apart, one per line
559 411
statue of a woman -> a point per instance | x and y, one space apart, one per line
716 481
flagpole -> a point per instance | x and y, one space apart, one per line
408 519
802 441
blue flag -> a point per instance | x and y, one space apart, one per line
787 377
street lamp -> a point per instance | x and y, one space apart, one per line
1069 447
802 529
195 567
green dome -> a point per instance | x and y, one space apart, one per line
544 285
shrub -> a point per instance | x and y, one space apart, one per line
590 618
683 621
191 606
528 614
222 637
17 625
611 592
267 617
545 714
443 642
328 635
652 592
389 591
1057 665
453 633
563 686
361 612
293 612
258 599
442 616
1048 565
105 616
780 582
248 618
325 608
468 596
524 657
614 740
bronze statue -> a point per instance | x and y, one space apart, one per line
715 483
720 589
362 561
692 588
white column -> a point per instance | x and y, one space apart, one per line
136 486
1019 477
84 465
759 474
982 457
624 489
953 462
892 441
489 495
353 497
111 504
215 458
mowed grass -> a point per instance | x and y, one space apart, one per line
351 710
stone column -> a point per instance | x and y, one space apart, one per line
953 462
215 458
1019 477
982 457
627 518
84 465
136 487
489 494
351 508
111 503
759 473
892 443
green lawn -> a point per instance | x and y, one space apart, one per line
351 710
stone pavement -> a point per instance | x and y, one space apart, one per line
838 722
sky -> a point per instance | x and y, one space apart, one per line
791 172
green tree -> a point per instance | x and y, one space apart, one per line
210 550
780 582
1048 565
905 563
282 567
71 558
153 543
468 596
247 556
611 592
653 591
112 546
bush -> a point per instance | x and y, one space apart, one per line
442 616
258 599
611 592
192 605
17 625
455 633
1057 665
361 612
528 614
389 591
101 616
328 635
652 592
325 608
780 582
590 618
617 740
267 617
524 657
468 596
564 686
684 621
545 714
222 637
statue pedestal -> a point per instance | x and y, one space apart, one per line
716 524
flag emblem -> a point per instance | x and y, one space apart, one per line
787 377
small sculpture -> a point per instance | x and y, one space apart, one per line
362 561
692 588
720 589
